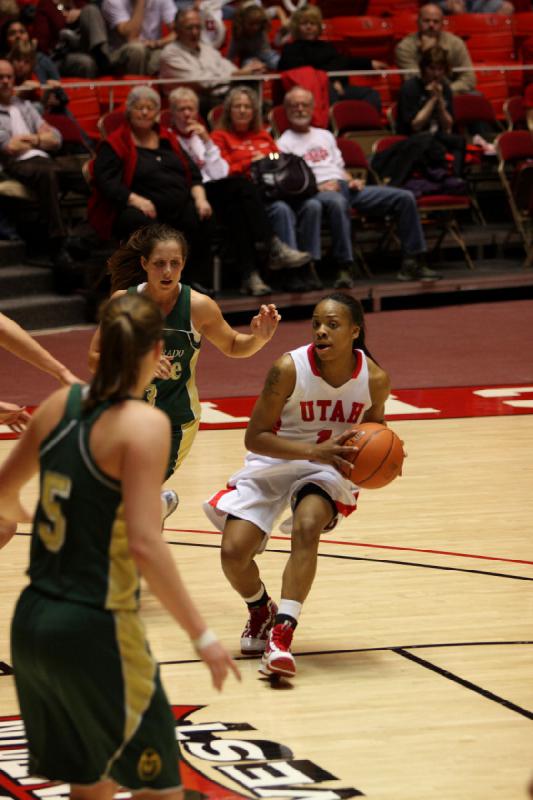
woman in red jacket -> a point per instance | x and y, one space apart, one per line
142 175
242 139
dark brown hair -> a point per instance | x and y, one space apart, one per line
435 56
125 266
130 325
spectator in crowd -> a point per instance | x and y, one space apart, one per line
26 142
23 57
142 175
242 140
425 103
430 33
74 34
137 35
13 32
338 191
199 65
476 6
249 37
235 200
307 50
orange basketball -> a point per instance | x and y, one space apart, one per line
379 458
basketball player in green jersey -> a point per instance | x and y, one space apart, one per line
94 710
156 254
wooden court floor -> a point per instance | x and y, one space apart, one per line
414 651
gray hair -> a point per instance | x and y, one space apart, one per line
142 93
183 93
291 92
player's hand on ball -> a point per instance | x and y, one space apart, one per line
219 662
336 452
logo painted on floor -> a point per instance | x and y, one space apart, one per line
230 767
448 403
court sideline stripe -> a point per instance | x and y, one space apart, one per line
377 547
346 651
378 561
473 687
357 544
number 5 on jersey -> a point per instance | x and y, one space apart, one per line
56 487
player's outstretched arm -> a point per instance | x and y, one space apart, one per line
144 461
21 344
208 320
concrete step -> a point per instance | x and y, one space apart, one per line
41 311
11 252
21 279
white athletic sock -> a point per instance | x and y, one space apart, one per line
255 597
291 608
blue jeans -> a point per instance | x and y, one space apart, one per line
378 201
283 222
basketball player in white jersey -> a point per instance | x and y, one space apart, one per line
312 399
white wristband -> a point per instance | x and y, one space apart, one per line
205 639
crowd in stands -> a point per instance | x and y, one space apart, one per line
191 90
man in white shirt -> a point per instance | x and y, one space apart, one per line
136 33
338 191
200 65
25 143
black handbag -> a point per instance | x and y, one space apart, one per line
284 176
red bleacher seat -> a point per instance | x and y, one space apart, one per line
515 113
83 104
403 24
366 37
110 121
466 25
492 48
111 97
494 85
384 8
469 108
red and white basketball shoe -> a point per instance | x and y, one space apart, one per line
277 658
255 634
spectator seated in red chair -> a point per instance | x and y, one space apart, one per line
425 104
142 175
236 201
14 31
26 143
430 34
200 65
338 192
74 34
308 50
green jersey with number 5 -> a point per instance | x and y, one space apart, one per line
79 548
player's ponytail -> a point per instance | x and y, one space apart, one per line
129 325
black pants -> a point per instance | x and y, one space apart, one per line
238 206
198 233
42 176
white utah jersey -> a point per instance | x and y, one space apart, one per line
316 411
